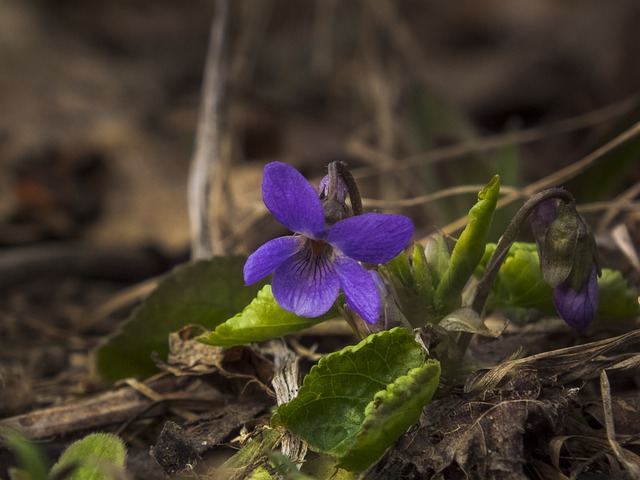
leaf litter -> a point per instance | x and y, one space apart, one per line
510 417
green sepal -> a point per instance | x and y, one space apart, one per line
411 282
438 256
559 247
585 259
338 409
261 320
468 250
423 288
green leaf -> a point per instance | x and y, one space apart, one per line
617 298
262 319
391 413
95 457
32 462
468 250
423 288
398 270
205 293
286 468
260 473
519 282
421 273
360 396
323 466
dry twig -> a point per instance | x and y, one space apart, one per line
208 165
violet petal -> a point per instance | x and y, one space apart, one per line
372 237
266 258
359 288
306 284
579 308
292 200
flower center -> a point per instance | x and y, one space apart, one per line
317 246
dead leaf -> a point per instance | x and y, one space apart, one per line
483 436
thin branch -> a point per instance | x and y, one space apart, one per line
207 162
431 197
494 142
558 177
621 200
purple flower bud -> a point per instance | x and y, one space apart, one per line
578 308
341 190
333 195
568 260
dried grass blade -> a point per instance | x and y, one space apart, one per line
628 459
565 364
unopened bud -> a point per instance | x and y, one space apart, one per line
333 194
578 307
568 260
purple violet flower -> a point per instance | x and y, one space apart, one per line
310 266
577 308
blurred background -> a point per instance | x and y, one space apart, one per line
100 103
425 100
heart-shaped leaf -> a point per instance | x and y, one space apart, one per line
206 293
356 402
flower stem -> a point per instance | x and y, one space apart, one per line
352 187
